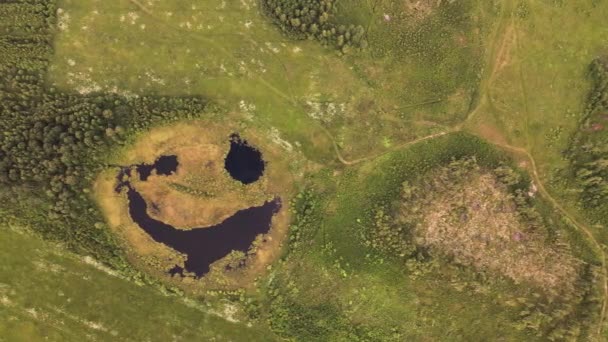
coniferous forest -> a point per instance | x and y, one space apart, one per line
53 143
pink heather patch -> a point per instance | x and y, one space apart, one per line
518 236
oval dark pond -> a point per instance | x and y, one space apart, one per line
244 162
204 245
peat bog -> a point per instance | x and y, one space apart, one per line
204 245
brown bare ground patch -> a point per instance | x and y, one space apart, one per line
476 224
421 9
491 133
212 196
504 55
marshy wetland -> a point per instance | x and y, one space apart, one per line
204 245
181 211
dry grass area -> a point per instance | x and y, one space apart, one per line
211 195
421 9
200 193
143 250
472 218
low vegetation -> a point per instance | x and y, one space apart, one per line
42 298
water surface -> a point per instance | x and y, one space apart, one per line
202 245
244 162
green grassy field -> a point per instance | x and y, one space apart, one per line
49 294
538 90
228 51
534 95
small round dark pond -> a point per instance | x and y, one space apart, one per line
165 165
203 245
244 162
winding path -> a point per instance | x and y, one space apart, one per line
577 224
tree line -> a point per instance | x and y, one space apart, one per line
312 19
53 143
588 152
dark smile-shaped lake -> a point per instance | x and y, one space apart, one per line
203 245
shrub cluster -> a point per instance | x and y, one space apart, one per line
311 19
589 149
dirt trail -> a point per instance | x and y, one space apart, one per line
398 147
505 38
577 224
